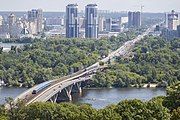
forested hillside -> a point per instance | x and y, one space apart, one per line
153 60
53 58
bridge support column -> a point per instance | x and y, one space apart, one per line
79 87
68 91
54 98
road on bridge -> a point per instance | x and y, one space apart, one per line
59 84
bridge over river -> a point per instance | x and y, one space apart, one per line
61 89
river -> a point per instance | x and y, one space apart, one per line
98 98
12 92
7 46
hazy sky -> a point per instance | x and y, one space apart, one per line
116 5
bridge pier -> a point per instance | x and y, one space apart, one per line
54 98
77 88
68 91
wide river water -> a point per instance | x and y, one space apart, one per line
98 98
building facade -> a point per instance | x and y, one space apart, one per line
101 24
1 20
36 16
123 20
130 19
134 19
91 21
173 20
11 24
109 24
72 24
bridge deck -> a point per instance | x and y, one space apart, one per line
59 84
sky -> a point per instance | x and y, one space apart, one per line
113 5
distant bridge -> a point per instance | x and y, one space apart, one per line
61 89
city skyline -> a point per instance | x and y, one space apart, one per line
116 5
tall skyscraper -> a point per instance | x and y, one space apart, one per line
134 19
11 23
1 20
166 20
91 21
130 19
173 20
101 24
72 25
36 16
109 24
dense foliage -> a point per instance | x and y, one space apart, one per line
154 109
153 60
47 59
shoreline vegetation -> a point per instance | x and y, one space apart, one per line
148 85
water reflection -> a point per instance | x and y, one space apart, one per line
100 98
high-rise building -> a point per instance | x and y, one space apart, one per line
1 20
101 24
173 20
166 20
91 21
134 19
1 24
36 16
72 25
11 23
109 24
130 19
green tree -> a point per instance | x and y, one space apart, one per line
172 101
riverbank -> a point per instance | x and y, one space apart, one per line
147 85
